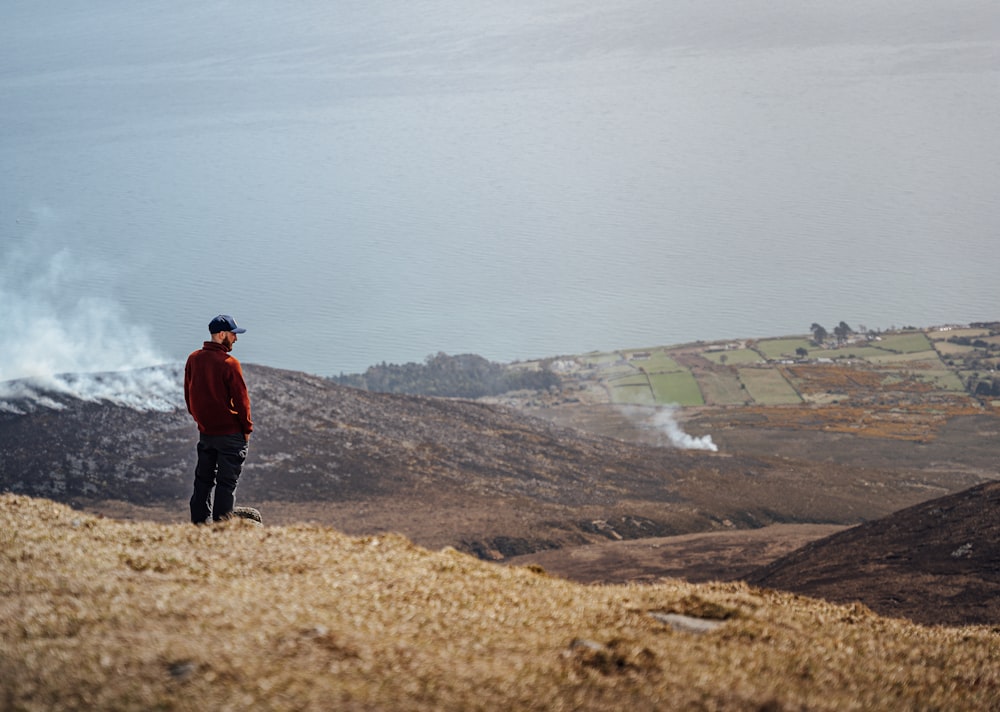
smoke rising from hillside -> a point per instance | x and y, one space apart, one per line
157 388
53 341
664 422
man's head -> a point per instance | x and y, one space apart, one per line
224 329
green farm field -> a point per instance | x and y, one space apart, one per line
783 348
768 386
905 343
631 393
734 357
678 388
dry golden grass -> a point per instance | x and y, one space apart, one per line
100 614
815 378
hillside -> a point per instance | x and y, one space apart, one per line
606 500
936 562
103 614
483 478
725 555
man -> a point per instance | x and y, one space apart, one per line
217 398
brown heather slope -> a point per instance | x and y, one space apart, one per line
103 614
936 562
727 555
485 479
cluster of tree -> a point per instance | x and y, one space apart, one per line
841 333
975 343
987 389
462 376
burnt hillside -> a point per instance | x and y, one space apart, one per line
479 477
936 562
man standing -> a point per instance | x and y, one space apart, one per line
217 398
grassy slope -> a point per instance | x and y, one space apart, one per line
102 614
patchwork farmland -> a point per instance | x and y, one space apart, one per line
897 384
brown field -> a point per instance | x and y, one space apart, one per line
918 422
101 614
722 388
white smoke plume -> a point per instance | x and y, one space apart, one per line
662 420
58 338
157 388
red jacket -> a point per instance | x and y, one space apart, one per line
215 392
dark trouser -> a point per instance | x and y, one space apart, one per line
220 462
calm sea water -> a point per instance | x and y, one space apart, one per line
367 182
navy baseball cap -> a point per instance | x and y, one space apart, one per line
224 322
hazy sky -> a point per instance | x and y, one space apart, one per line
379 181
